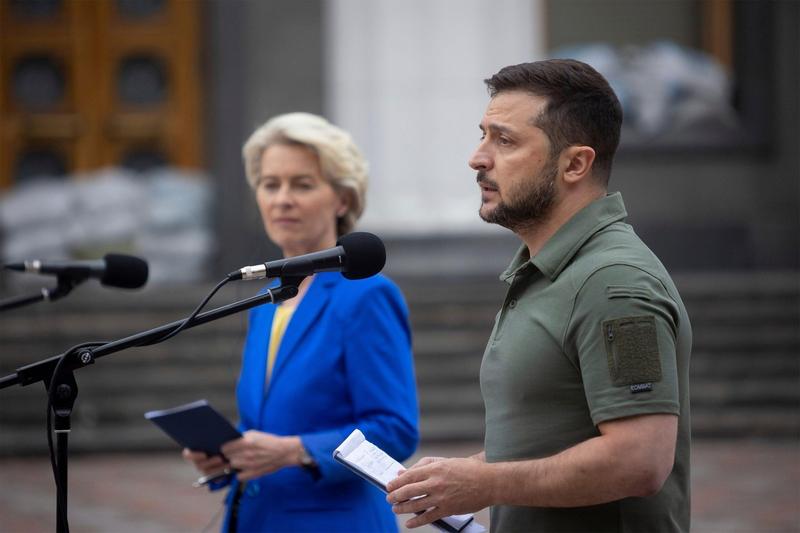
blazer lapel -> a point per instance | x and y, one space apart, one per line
312 304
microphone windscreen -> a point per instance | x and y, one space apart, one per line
124 271
364 253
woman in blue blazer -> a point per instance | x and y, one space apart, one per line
335 358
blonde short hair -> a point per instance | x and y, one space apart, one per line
340 159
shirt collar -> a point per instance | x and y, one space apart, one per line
559 250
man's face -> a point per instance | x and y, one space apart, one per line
516 174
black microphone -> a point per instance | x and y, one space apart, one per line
113 270
356 255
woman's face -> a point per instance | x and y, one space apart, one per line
298 205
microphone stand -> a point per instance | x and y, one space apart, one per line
57 374
65 285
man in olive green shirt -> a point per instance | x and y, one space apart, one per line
585 376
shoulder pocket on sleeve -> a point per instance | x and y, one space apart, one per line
632 350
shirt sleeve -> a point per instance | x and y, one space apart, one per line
622 336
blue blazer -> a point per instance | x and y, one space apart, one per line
344 362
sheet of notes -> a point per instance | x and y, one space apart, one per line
375 462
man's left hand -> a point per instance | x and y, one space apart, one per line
441 487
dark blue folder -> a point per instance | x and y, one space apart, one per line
196 426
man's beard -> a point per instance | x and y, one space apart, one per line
529 202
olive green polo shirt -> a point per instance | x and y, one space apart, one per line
592 329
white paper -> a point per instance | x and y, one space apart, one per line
375 462
381 468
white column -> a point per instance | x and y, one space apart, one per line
405 77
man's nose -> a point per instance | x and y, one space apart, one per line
480 160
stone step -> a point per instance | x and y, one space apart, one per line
106 328
761 352
755 337
112 400
441 312
722 314
137 433
437 358
747 392
729 364
120 387
432 370
780 310
190 350
747 422
450 399
117 436
439 427
436 344
714 283
453 427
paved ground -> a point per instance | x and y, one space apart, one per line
738 487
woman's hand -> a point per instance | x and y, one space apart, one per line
258 453
206 464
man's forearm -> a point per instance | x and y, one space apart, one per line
573 478
599 470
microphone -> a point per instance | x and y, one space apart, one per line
113 270
356 255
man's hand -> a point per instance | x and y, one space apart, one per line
441 487
258 453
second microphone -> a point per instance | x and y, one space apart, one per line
356 255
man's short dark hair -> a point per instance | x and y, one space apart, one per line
581 109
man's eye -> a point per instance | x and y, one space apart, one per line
503 141
270 185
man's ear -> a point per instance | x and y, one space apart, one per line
577 163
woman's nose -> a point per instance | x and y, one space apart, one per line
283 196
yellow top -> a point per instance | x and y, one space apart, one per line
279 322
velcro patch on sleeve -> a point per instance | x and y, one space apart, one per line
632 350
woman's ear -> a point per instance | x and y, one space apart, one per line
344 204
577 162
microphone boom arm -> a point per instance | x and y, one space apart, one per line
42 370
65 285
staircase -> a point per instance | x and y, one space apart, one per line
451 321
745 363
745 373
